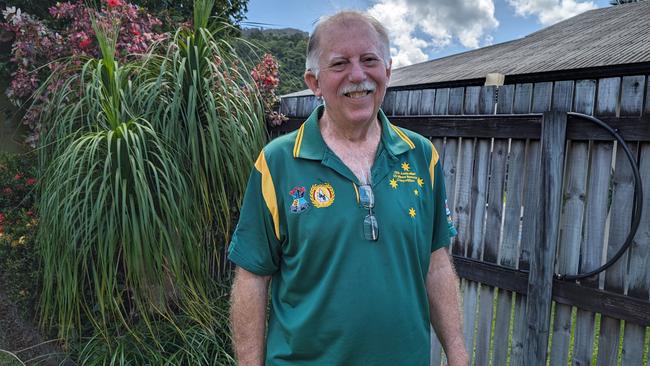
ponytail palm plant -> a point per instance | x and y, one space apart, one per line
142 167
206 105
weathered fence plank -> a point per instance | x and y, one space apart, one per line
508 251
585 97
522 104
562 96
477 211
569 248
427 101
572 214
401 103
647 97
449 168
442 102
595 218
463 204
538 307
633 88
639 272
414 102
620 218
542 93
505 99
486 293
456 97
463 192
608 92
388 106
523 97
471 103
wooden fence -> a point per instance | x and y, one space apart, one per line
536 192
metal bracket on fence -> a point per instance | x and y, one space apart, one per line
638 201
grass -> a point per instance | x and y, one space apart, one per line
595 341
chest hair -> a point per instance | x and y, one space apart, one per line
357 156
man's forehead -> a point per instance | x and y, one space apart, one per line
342 39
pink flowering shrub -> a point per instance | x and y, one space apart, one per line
265 75
38 50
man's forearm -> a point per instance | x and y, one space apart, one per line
444 307
248 317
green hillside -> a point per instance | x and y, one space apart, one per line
287 45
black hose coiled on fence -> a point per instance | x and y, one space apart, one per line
636 211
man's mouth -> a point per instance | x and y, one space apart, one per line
357 94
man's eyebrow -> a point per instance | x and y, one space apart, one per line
336 59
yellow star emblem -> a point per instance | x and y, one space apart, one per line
420 182
393 183
406 167
417 193
412 212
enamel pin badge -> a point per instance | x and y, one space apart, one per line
321 195
299 203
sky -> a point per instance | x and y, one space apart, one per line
422 30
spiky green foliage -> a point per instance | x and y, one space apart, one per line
142 168
212 118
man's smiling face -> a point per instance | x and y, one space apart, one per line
353 74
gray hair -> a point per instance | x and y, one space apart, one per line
313 47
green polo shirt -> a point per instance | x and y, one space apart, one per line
336 297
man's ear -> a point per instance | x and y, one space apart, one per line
312 83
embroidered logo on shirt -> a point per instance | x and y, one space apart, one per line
406 175
299 203
321 195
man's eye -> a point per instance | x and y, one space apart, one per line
370 60
338 65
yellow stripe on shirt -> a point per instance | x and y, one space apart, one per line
268 192
403 136
296 145
434 161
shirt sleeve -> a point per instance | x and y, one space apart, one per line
443 226
255 244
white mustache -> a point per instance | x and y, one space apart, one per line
358 87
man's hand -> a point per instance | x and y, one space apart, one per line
249 298
444 307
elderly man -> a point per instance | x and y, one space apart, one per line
346 219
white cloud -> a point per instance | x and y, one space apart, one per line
418 25
551 11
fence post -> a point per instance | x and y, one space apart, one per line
540 278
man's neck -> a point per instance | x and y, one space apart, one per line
344 133
355 145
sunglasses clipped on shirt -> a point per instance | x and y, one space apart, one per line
367 200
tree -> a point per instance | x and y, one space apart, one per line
232 11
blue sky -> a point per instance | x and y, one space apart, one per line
422 30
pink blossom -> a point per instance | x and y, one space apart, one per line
84 43
114 3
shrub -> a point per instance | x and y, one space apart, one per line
19 269
39 51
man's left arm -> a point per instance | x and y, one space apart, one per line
444 307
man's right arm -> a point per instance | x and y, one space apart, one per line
249 299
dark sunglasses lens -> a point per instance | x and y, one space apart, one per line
370 228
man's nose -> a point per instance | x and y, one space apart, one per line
357 73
